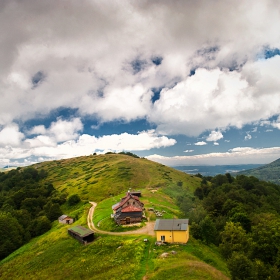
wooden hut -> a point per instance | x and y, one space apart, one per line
64 219
136 193
82 234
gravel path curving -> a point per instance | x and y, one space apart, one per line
148 229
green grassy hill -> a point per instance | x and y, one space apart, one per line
103 176
269 172
103 179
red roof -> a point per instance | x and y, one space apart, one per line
124 200
131 208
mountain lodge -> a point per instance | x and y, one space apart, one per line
128 210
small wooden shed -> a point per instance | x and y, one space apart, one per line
64 219
136 193
82 234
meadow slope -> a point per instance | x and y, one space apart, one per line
104 179
98 177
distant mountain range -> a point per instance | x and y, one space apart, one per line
269 172
212 170
7 168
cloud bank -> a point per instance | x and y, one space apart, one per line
66 143
215 66
246 155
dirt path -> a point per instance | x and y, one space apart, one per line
148 229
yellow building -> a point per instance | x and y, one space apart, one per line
172 230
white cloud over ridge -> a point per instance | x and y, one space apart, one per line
46 147
58 132
246 155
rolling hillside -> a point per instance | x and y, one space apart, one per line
103 176
269 172
103 179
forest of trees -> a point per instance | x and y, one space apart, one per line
241 216
28 205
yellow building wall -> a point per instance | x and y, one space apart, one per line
173 236
181 236
167 233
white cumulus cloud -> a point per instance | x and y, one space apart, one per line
80 62
43 146
248 136
10 135
104 59
214 136
200 143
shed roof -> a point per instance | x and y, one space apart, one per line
171 224
82 231
62 217
134 192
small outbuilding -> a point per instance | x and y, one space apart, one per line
172 230
136 193
64 219
82 234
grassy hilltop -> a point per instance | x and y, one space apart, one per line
103 179
103 176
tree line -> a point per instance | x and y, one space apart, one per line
239 215
28 205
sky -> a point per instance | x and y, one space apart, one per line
179 82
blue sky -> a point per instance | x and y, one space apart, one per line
79 77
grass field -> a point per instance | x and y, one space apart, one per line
191 261
96 178
156 200
56 255
105 179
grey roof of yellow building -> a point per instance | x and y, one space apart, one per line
171 224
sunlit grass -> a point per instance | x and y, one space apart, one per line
191 261
105 179
99 177
56 255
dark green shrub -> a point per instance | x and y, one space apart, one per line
73 199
